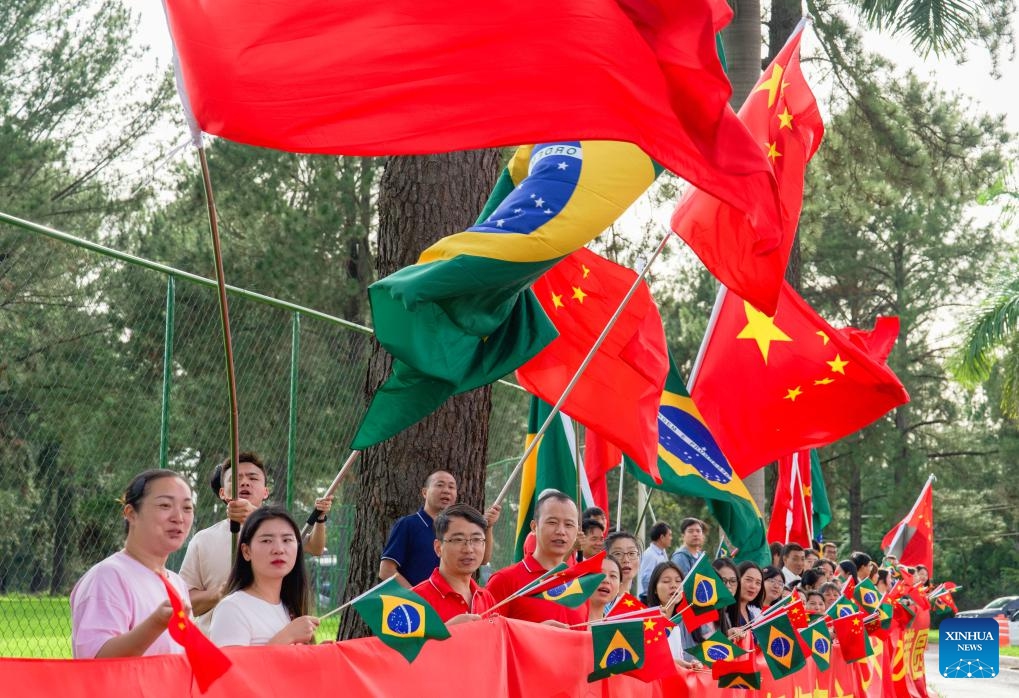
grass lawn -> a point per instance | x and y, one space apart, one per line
40 626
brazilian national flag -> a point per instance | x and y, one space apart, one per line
463 316
551 465
692 464
618 647
703 589
745 681
400 618
818 638
843 607
867 596
780 646
716 648
574 592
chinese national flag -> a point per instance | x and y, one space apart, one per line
782 114
618 394
768 386
208 662
912 539
405 77
658 662
852 636
792 511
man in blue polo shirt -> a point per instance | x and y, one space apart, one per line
410 550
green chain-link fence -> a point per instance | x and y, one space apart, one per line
110 365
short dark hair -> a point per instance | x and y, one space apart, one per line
458 511
813 592
829 544
547 495
136 490
829 586
790 548
860 559
428 480
242 457
849 567
825 562
809 578
216 480
588 524
621 535
769 571
294 592
691 521
659 529
591 512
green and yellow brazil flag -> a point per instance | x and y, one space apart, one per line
400 618
463 317
618 647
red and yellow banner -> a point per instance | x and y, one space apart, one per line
496 657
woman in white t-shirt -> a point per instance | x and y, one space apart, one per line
267 590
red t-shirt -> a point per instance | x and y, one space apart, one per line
449 603
512 578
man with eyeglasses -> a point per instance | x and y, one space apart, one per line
460 545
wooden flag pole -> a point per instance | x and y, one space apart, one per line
313 516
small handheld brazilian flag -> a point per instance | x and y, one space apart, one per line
704 589
716 648
737 673
618 647
842 607
780 646
400 618
574 592
818 639
867 596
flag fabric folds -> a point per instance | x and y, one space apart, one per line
572 593
207 661
782 114
852 637
768 386
716 648
703 589
618 647
818 496
780 645
551 465
462 317
600 457
580 294
692 464
402 77
792 514
818 639
399 618
912 539
867 596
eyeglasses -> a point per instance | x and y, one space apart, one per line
460 541
628 555
730 581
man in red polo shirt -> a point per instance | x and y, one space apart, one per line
555 526
460 544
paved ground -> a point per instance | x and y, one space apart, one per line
1004 685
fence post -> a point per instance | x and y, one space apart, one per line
164 417
295 350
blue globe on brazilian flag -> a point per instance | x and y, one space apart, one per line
400 618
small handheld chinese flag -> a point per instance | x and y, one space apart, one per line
208 662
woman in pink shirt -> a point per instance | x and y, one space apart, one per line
119 608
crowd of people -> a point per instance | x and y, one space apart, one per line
120 607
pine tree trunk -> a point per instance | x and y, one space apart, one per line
421 199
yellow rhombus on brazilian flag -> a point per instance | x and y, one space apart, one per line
400 618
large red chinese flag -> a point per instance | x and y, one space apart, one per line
600 456
397 77
782 114
792 510
208 662
618 393
912 539
768 386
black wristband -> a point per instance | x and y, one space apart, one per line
322 519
